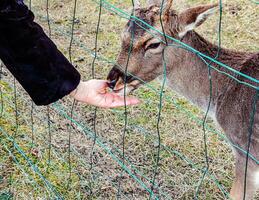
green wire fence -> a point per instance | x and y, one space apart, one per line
56 153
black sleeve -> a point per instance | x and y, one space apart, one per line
32 57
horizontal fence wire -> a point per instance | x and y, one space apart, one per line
86 130
167 97
58 154
60 108
114 9
35 169
117 154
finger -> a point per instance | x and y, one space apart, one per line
113 101
129 102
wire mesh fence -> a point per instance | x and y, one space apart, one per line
162 149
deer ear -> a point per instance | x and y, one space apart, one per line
194 17
167 4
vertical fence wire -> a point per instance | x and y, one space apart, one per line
205 138
32 123
160 102
49 138
1 92
132 23
32 103
14 135
48 18
30 3
250 134
156 166
92 153
48 109
204 126
74 101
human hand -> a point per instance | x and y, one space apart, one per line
95 92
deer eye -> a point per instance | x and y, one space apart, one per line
153 46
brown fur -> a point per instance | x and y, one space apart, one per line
187 74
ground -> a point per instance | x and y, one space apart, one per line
32 168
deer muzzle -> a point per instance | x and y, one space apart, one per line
117 80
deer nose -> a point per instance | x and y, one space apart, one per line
114 76
112 84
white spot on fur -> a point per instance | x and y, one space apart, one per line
187 28
203 16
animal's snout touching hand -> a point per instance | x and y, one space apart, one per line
111 84
97 93
121 83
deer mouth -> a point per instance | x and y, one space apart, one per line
121 89
121 83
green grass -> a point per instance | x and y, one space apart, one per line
179 133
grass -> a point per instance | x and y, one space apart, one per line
179 133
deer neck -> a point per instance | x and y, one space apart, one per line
188 74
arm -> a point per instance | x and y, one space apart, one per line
40 67
32 57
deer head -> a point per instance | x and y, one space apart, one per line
147 46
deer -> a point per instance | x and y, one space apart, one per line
231 102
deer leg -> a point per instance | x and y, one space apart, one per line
252 179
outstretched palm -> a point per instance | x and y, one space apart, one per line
95 92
